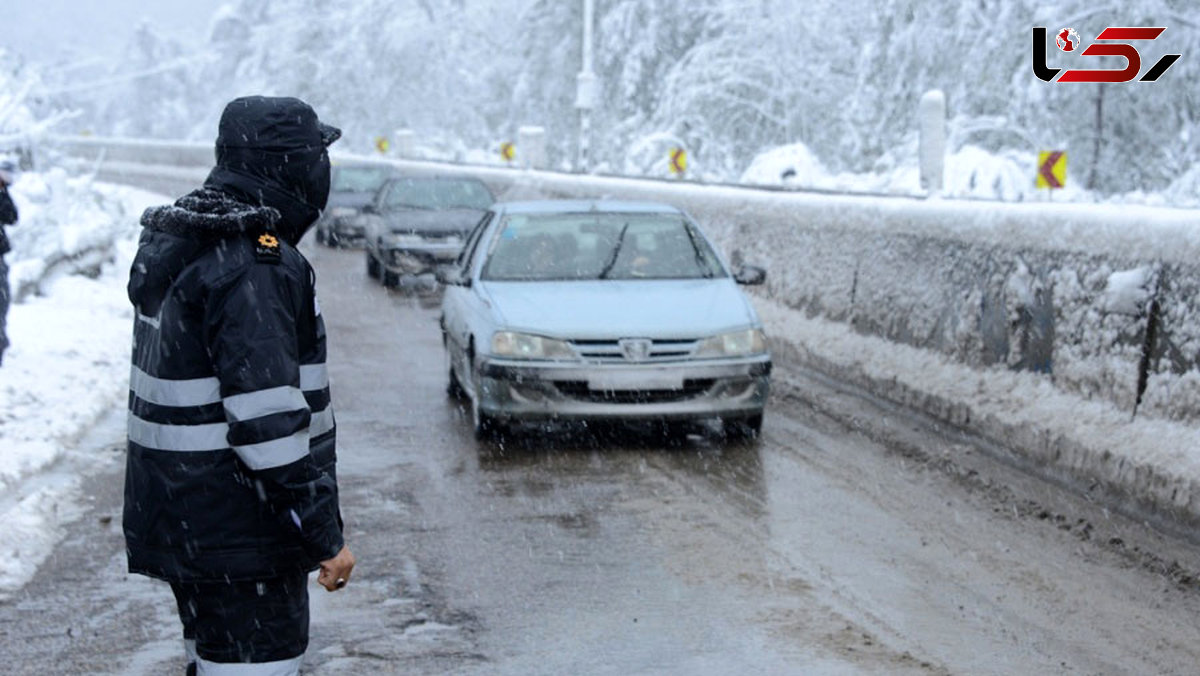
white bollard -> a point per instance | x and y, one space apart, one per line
406 141
932 129
532 144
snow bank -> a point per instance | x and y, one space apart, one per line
66 225
1151 464
69 361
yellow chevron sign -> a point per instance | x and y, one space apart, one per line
1052 169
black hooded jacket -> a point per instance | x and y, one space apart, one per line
230 470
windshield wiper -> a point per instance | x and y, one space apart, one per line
612 260
705 269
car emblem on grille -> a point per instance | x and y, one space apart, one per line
635 349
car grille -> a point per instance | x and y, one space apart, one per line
578 390
610 350
402 257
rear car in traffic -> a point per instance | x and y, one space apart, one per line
352 187
416 224
565 310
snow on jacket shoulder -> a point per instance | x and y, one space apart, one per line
230 469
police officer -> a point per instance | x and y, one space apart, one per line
230 485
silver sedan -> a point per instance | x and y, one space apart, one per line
560 310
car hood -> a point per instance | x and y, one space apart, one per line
428 220
353 200
610 309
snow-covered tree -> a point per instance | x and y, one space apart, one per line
727 79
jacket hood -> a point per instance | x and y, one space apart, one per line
177 234
271 151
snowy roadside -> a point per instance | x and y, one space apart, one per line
1151 462
68 366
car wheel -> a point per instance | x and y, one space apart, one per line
747 428
372 266
486 427
332 240
390 279
320 235
676 432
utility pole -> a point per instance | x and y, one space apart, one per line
585 94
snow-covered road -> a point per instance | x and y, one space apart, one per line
853 539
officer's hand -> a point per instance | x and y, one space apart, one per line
335 572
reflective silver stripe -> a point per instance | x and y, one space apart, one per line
322 422
194 392
189 648
264 402
313 377
274 453
211 437
281 668
152 321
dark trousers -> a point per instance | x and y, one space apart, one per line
254 622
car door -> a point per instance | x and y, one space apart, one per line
460 302
373 221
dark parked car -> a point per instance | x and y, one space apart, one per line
353 187
416 224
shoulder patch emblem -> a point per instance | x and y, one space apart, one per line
267 248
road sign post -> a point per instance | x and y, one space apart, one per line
932 140
406 141
533 147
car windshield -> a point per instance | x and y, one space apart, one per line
429 193
580 246
358 179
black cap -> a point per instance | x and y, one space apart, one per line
329 133
272 124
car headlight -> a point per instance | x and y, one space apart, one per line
397 240
735 344
525 346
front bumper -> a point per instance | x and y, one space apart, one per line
417 259
521 390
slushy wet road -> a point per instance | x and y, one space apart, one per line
818 550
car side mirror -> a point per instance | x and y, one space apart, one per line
750 275
451 275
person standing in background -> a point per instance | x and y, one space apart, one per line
8 216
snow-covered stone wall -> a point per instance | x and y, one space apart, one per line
1103 299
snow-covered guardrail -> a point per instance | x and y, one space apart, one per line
1102 299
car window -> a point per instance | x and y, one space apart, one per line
358 179
429 193
599 246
